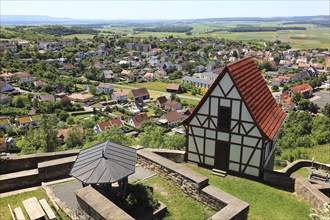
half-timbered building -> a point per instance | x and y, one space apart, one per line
234 127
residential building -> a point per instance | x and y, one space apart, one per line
277 82
119 96
173 88
138 95
171 119
198 82
234 128
81 97
5 99
4 123
105 88
62 134
100 127
137 120
305 89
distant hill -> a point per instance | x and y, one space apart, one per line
44 20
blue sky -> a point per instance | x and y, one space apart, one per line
169 9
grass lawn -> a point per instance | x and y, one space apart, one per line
265 202
304 172
78 117
178 204
156 85
80 36
16 201
320 153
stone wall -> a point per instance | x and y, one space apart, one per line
310 192
49 170
97 206
296 165
195 185
174 155
278 179
16 163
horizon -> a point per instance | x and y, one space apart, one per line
161 10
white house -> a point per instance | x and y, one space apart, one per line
234 127
105 88
119 96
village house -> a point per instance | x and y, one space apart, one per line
81 97
173 88
171 105
119 96
105 88
137 120
100 127
138 95
234 128
271 74
62 134
160 101
6 77
7 144
46 98
198 82
6 87
38 84
4 123
305 89
5 99
286 79
26 121
170 119
277 82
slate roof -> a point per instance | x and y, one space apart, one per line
106 162
266 113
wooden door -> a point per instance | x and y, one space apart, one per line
221 160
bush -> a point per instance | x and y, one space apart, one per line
137 201
295 154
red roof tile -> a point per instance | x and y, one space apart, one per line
266 113
301 88
103 125
138 119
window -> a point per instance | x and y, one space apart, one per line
224 118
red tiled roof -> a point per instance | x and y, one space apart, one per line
103 125
286 98
301 88
138 119
173 116
62 133
173 86
136 93
266 113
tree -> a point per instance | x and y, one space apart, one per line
296 97
92 90
74 138
153 137
325 110
275 88
285 88
176 142
18 102
117 135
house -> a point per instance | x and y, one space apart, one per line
46 98
137 120
5 99
277 82
271 74
170 119
161 73
305 89
138 95
160 101
100 127
105 88
26 121
155 52
63 133
235 126
80 97
7 144
6 87
286 79
119 96
172 105
173 88
38 84
150 76
4 123
6 77
202 83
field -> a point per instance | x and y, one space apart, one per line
320 153
312 37
80 36
265 202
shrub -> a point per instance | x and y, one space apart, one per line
295 154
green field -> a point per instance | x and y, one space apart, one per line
80 36
265 202
312 37
320 153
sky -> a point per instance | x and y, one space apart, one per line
170 9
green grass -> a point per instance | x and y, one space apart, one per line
178 204
16 201
320 153
265 202
78 117
80 36
304 172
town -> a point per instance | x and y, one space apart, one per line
70 96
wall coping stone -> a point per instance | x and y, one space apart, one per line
314 190
100 204
15 156
165 151
200 179
19 174
55 162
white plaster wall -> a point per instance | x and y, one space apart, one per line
255 160
209 147
235 152
222 136
214 106
191 144
209 161
252 171
246 154
226 83
198 131
234 167
193 157
250 141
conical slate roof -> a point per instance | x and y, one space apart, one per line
107 162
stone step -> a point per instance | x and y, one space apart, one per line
217 172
